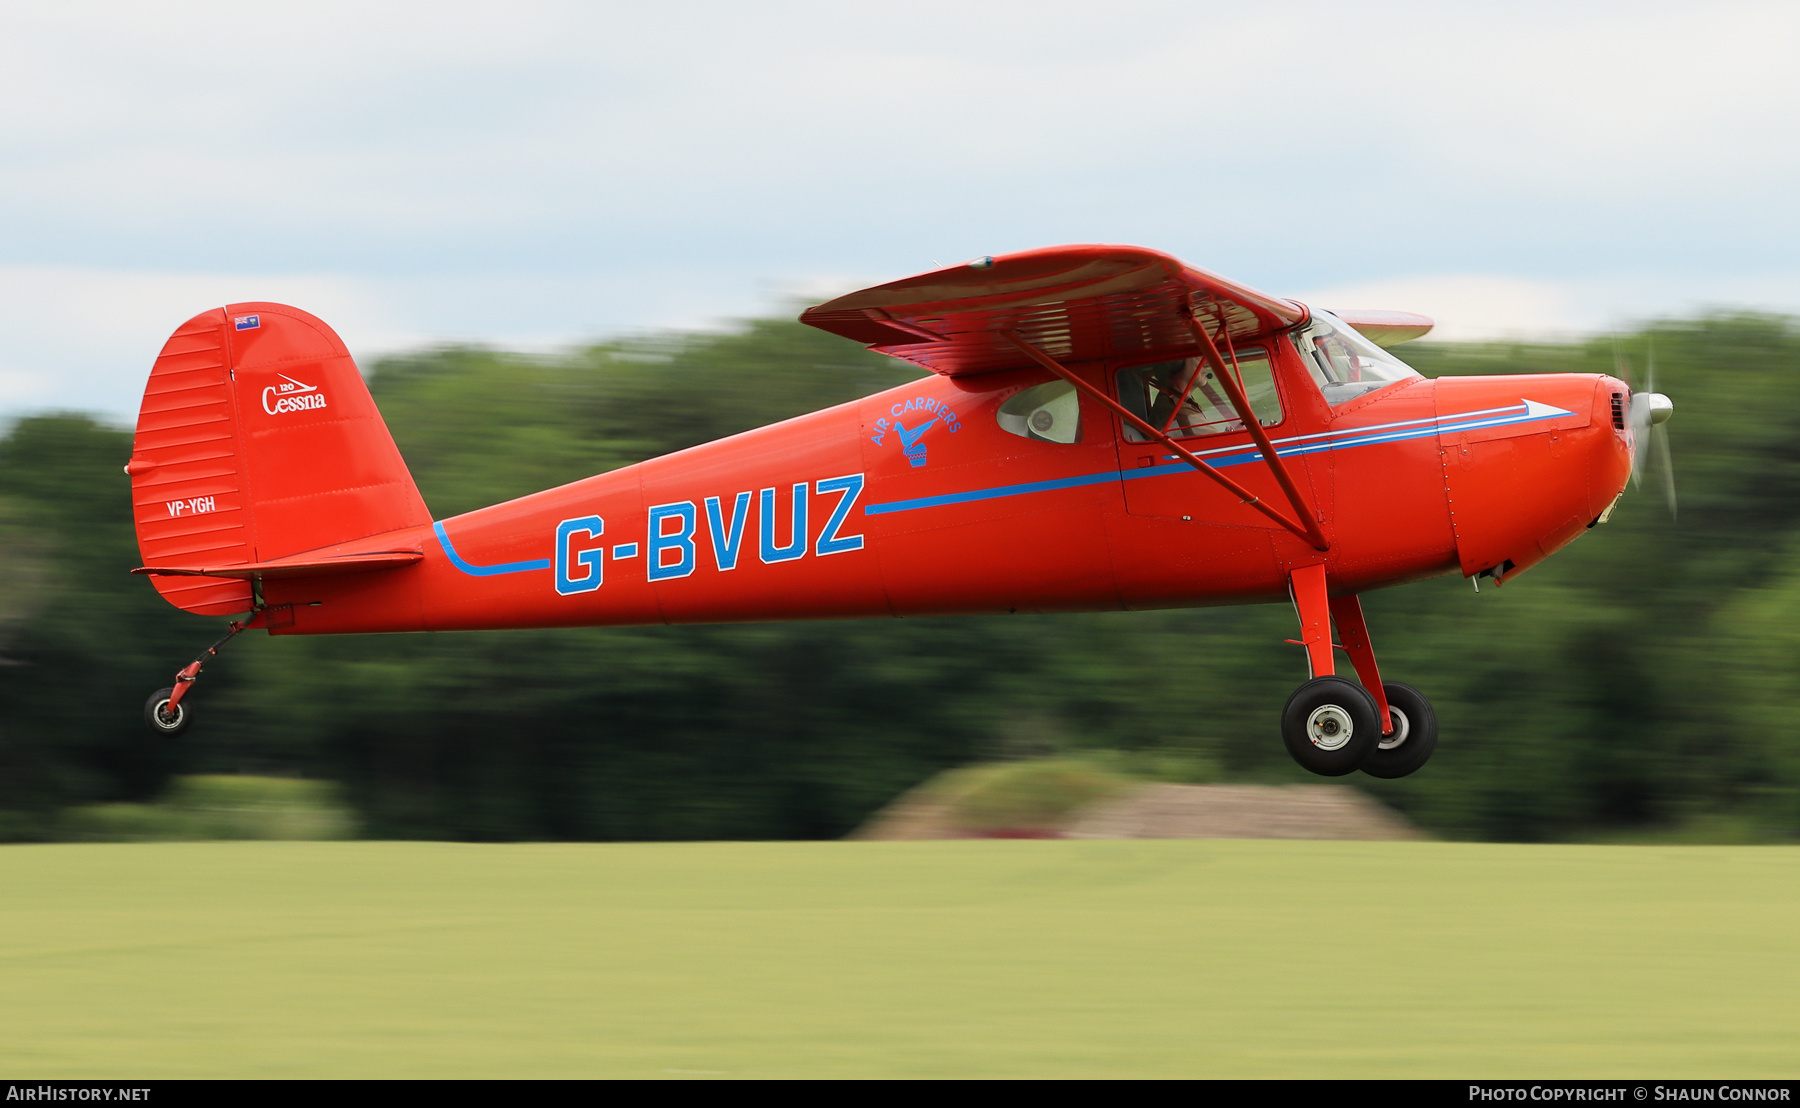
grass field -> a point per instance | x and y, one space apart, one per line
990 958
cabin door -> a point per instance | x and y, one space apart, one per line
1158 483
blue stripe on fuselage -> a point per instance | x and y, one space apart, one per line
1226 456
991 494
483 571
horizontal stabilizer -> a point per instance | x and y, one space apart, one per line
298 566
1388 328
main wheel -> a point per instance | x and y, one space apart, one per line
1329 725
1414 738
163 721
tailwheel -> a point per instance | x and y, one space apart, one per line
167 712
1330 726
1414 736
166 715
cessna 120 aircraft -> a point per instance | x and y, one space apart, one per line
1102 427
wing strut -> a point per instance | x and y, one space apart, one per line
1234 388
1308 529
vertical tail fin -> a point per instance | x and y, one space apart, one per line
257 440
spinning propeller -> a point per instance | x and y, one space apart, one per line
1649 411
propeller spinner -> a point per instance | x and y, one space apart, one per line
1649 411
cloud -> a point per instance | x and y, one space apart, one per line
1477 307
542 172
565 135
1467 306
85 338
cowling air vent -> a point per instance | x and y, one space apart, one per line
1618 409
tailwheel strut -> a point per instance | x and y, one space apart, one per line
1333 726
166 712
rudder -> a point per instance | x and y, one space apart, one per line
258 440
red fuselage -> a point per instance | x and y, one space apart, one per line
916 501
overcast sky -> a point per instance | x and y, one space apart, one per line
542 173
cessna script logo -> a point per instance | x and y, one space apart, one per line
291 396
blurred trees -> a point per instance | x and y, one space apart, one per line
1638 684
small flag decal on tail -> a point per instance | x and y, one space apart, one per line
247 322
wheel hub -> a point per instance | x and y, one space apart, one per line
1402 726
1329 727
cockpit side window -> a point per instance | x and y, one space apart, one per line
1187 389
1344 364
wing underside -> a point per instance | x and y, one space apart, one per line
1075 303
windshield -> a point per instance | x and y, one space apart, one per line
1345 364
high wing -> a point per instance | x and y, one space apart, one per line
1069 304
1074 303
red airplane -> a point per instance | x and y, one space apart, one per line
1103 428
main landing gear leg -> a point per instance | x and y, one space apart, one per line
1346 612
1411 733
166 712
1333 726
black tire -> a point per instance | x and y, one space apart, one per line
1415 734
158 721
1330 725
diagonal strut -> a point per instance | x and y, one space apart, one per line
1235 390
1308 529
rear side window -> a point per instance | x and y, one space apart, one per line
1050 412
1155 393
